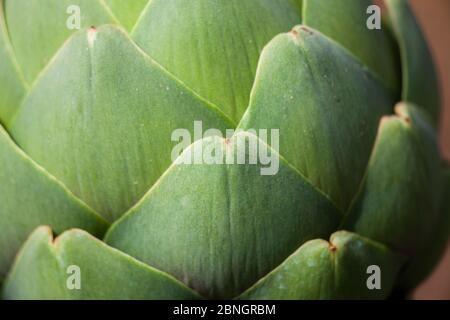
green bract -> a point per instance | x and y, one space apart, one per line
85 150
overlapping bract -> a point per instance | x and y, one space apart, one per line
89 114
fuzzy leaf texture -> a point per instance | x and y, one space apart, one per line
86 174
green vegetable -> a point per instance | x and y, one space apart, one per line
86 141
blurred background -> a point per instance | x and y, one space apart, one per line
434 17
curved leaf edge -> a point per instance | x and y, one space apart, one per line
55 241
135 208
52 178
146 56
332 247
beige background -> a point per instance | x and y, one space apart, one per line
434 17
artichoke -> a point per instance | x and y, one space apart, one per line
358 207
